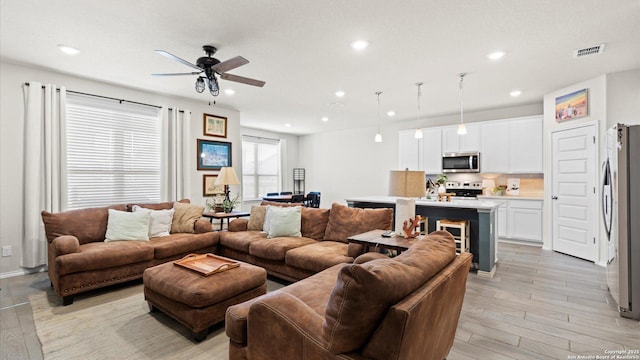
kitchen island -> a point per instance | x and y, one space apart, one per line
482 216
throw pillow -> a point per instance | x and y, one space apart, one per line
123 225
284 221
185 217
345 221
256 219
159 222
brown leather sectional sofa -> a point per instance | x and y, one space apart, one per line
80 260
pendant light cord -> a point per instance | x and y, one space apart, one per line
378 93
461 85
418 84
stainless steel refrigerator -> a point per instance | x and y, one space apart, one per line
621 213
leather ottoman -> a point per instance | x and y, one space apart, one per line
198 301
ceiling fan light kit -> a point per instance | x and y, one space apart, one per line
211 67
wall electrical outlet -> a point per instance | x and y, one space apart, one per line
6 250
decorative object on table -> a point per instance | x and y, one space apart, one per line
226 177
206 264
442 179
213 155
214 125
432 187
513 186
407 183
209 187
487 186
462 129
445 196
409 227
572 106
500 190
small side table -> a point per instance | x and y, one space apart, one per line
223 215
374 239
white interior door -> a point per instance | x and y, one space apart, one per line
574 199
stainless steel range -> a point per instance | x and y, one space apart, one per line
464 189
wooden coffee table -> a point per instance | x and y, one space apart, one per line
374 239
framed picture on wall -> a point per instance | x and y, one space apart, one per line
215 125
572 106
213 155
209 187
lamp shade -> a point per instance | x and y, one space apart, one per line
227 176
407 183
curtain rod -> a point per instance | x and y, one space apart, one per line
110 98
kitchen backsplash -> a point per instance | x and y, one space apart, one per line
531 185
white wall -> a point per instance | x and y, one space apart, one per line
349 163
623 98
11 141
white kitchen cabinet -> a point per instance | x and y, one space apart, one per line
409 152
452 142
432 150
524 220
494 153
525 145
502 220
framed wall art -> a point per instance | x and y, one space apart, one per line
209 187
572 106
215 125
213 155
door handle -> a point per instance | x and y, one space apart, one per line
554 198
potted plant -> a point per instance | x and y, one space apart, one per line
228 204
442 178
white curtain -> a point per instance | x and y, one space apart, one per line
176 155
44 166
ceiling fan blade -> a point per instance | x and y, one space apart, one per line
242 79
177 74
180 60
230 64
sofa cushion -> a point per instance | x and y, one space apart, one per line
178 244
345 221
318 256
283 221
103 255
123 225
314 222
364 292
157 206
240 240
159 220
185 217
276 248
88 225
256 219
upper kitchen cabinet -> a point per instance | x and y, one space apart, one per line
452 142
432 150
494 155
409 150
525 145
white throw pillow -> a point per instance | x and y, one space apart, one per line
123 225
284 221
159 222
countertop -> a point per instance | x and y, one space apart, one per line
510 197
484 204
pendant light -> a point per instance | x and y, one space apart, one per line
462 130
378 137
418 134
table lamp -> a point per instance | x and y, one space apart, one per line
406 184
226 177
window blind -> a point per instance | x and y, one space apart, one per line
260 167
113 152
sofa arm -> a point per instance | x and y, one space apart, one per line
202 226
238 225
368 257
65 244
293 328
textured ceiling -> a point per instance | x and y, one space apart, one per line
302 50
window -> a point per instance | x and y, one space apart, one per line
113 152
260 167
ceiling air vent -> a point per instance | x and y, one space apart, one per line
592 50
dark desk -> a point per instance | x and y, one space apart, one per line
282 198
224 215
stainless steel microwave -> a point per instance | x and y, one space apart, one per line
467 162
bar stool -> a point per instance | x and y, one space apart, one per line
461 236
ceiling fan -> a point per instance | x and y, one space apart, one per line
211 66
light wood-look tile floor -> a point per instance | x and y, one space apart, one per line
539 305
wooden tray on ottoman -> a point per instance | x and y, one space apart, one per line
206 264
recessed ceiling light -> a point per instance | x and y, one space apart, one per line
287 125
391 113
515 93
69 50
359 45
340 93
229 91
325 119
496 55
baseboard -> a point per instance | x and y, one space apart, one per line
22 272
520 242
